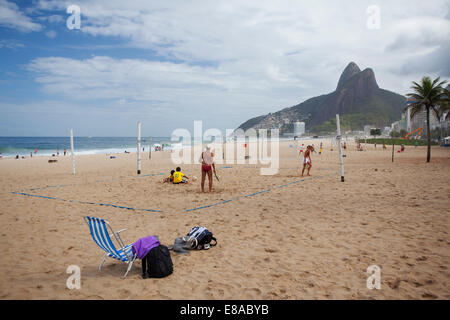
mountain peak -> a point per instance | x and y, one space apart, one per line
357 97
349 71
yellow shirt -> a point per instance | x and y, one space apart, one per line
177 177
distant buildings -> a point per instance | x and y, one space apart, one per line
299 128
408 120
386 131
419 120
367 130
396 126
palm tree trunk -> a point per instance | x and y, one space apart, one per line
428 134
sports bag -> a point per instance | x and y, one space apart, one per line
159 262
203 238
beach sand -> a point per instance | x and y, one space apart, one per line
311 239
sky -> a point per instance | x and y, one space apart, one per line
169 63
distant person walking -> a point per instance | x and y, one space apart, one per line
301 149
307 163
207 160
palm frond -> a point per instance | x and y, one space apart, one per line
416 108
428 92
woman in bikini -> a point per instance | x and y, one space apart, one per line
207 160
307 160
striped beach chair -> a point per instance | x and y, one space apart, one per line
101 233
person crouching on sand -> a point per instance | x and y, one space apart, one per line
178 176
170 178
307 164
207 160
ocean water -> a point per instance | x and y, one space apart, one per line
46 146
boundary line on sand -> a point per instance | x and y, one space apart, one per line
85 202
96 181
256 193
160 211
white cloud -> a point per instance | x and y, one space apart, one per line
54 18
198 91
12 17
51 34
11 44
243 57
261 33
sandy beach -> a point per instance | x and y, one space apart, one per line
300 238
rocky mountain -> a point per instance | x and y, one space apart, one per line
358 99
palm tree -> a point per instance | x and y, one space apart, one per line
428 94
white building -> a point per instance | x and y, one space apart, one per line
420 119
396 126
408 120
299 128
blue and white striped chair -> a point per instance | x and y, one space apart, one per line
101 232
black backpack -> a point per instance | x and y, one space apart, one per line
159 263
203 238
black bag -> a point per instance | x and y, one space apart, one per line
203 238
159 263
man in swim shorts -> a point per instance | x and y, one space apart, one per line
207 160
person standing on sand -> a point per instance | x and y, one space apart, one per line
307 164
207 160
301 149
